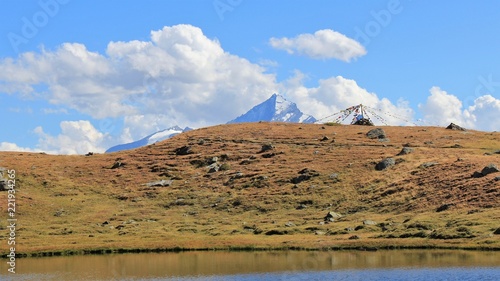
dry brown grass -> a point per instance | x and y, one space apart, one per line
79 203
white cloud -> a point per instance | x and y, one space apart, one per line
323 44
8 146
179 73
76 137
338 93
442 108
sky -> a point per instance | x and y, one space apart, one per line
79 76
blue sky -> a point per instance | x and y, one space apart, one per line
78 76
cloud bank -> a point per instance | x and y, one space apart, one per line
323 44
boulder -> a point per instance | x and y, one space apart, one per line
497 231
377 133
453 126
331 216
266 147
384 164
184 150
491 168
405 151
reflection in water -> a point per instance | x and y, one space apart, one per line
191 264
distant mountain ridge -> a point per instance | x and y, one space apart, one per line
275 109
153 138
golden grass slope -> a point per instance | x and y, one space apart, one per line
80 204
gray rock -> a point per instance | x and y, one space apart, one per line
497 178
3 185
214 167
428 164
290 224
377 133
369 222
497 231
331 216
384 164
405 151
319 232
160 183
491 168
453 126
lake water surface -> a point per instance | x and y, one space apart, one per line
281 265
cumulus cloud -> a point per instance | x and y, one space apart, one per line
179 73
484 113
323 44
8 146
338 93
442 108
76 137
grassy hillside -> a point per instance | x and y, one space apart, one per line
262 185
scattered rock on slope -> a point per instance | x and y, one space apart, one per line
377 133
405 150
384 164
454 126
305 174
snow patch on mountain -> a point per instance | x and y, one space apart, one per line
151 139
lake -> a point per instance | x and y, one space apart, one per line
264 265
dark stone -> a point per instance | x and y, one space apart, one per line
477 175
89 154
354 237
266 147
497 231
491 168
453 126
377 133
305 174
3 185
117 164
276 232
405 151
384 164
444 207
325 138
185 150
497 178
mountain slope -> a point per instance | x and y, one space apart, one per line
275 109
153 138
262 185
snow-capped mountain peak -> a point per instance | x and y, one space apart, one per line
275 109
153 138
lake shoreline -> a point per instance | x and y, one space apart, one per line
108 251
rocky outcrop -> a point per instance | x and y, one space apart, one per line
455 127
490 169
